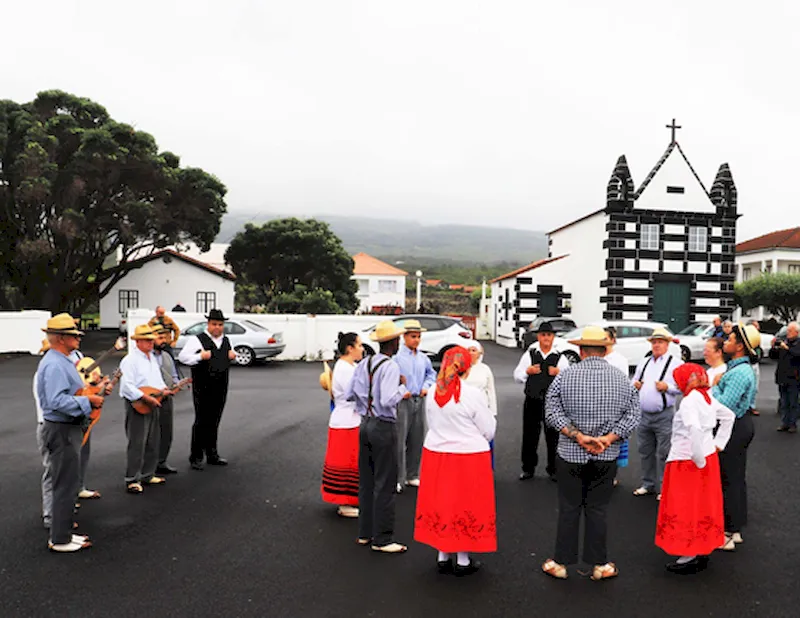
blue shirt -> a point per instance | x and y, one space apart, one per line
386 388
416 368
736 388
57 381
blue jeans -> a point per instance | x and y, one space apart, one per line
789 403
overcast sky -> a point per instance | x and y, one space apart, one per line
501 113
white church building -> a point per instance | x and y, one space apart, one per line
662 252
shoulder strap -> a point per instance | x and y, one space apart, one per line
532 352
372 371
661 379
641 375
205 341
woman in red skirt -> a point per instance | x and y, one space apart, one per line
455 503
340 472
690 519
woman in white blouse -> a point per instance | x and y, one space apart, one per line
456 502
690 516
480 375
340 471
715 360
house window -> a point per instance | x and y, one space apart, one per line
768 268
128 299
206 301
698 239
363 287
648 239
387 286
746 274
794 269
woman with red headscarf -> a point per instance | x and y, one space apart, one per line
690 517
455 503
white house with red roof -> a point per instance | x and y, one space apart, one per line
379 284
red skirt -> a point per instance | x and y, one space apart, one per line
340 472
690 518
455 502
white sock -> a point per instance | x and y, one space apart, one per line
463 559
685 559
443 557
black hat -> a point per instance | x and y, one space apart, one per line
545 327
216 314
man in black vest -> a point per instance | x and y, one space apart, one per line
209 354
538 367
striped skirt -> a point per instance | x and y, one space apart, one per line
340 472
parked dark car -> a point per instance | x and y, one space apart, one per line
780 337
560 325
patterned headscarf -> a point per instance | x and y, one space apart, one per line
455 363
692 377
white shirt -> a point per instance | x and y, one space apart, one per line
344 415
520 373
463 427
618 360
693 429
190 355
481 377
139 369
39 411
713 372
650 398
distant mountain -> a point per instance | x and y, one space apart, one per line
387 238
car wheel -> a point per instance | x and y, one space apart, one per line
368 351
244 355
686 354
572 357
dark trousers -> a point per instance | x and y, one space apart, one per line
63 444
209 402
789 404
165 430
733 469
532 421
583 489
377 469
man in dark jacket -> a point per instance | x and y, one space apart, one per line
787 377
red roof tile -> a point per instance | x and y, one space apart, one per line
530 266
364 264
782 239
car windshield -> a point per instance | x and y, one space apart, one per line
255 326
575 333
693 330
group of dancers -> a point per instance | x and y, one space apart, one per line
391 412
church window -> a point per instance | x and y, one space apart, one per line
648 239
698 239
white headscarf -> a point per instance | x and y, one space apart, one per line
477 345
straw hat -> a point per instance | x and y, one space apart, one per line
143 332
45 346
325 376
62 324
413 326
386 331
661 334
750 336
594 336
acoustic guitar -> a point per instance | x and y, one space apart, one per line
89 369
98 388
158 394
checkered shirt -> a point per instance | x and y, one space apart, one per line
737 387
597 399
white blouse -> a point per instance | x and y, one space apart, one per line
616 359
481 377
713 372
463 427
693 429
344 415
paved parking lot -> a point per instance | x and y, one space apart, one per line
254 539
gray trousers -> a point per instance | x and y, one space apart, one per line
410 437
86 452
143 434
165 429
47 478
654 437
377 469
63 443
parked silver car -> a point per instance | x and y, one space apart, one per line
249 340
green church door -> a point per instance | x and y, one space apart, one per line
671 304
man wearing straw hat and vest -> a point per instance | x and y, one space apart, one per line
209 354
63 415
416 368
657 392
377 387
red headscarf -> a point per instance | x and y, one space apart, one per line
455 363
692 377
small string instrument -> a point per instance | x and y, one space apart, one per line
100 388
158 394
89 369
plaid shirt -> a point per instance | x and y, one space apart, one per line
597 399
737 387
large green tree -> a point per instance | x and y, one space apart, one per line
287 259
77 188
779 293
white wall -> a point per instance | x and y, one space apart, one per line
675 172
778 260
22 330
376 298
165 284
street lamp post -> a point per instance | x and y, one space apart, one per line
419 289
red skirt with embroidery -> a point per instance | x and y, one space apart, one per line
340 472
690 517
455 502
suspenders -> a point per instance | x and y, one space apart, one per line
663 375
371 371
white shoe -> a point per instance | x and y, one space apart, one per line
347 511
728 545
391 548
737 537
413 483
72 546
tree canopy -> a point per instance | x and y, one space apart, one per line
779 293
76 189
294 264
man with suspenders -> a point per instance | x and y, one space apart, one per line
657 392
377 387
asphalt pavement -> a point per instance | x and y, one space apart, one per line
254 538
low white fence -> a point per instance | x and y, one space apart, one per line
21 331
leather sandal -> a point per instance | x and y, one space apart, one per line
363 541
553 569
391 548
135 488
156 480
88 494
604 571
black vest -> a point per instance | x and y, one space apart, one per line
537 384
215 367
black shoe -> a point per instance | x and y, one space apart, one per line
445 567
472 567
166 469
695 565
552 476
216 461
525 476
196 464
